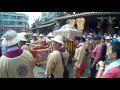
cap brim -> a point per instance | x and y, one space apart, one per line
56 40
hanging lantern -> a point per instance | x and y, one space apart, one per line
80 23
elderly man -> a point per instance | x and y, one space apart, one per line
16 62
55 66
113 69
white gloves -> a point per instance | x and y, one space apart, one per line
101 63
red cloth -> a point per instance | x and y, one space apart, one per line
14 54
113 73
81 70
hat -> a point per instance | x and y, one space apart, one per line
50 35
10 38
58 39
89 36
84 36
23 38
34 34
107 37
41 35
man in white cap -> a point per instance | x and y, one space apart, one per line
49 40
34 39
42 39
16 62
23 43
54 63
89 43
107 41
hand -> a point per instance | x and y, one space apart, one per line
92 66
101 63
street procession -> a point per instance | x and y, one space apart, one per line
60 45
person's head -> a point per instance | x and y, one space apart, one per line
23 42
35 36
82 39
113 52
57 42
97 39
11 38
89 37
76 40
50 35
102 40
107 39
41 35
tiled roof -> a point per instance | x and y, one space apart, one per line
43 26
76 15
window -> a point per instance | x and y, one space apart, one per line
19 17
0 16
5 16
20 23
6 23
11 23
13 17
0 23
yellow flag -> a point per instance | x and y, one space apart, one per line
80 23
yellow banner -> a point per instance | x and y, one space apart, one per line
80 23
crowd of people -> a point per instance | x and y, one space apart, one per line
16 60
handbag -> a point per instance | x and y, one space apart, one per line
66 71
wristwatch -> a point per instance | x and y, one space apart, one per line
101 68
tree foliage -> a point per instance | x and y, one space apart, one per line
46 16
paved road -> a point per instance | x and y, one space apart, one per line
39 72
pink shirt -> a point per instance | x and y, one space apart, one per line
97 52
113 73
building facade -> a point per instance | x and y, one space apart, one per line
95 22
12 20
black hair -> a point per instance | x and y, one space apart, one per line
103 38
77 38
116 49
83 39
97 38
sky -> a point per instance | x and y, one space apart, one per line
32 16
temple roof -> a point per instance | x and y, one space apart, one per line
51 22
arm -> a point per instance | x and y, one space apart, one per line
98 55
80 57
75 55
51 63
99 72
108 75
3 70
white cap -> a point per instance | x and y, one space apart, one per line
107 37
50 35
23 38
34 34
10 38
41 35
58 39
89 36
